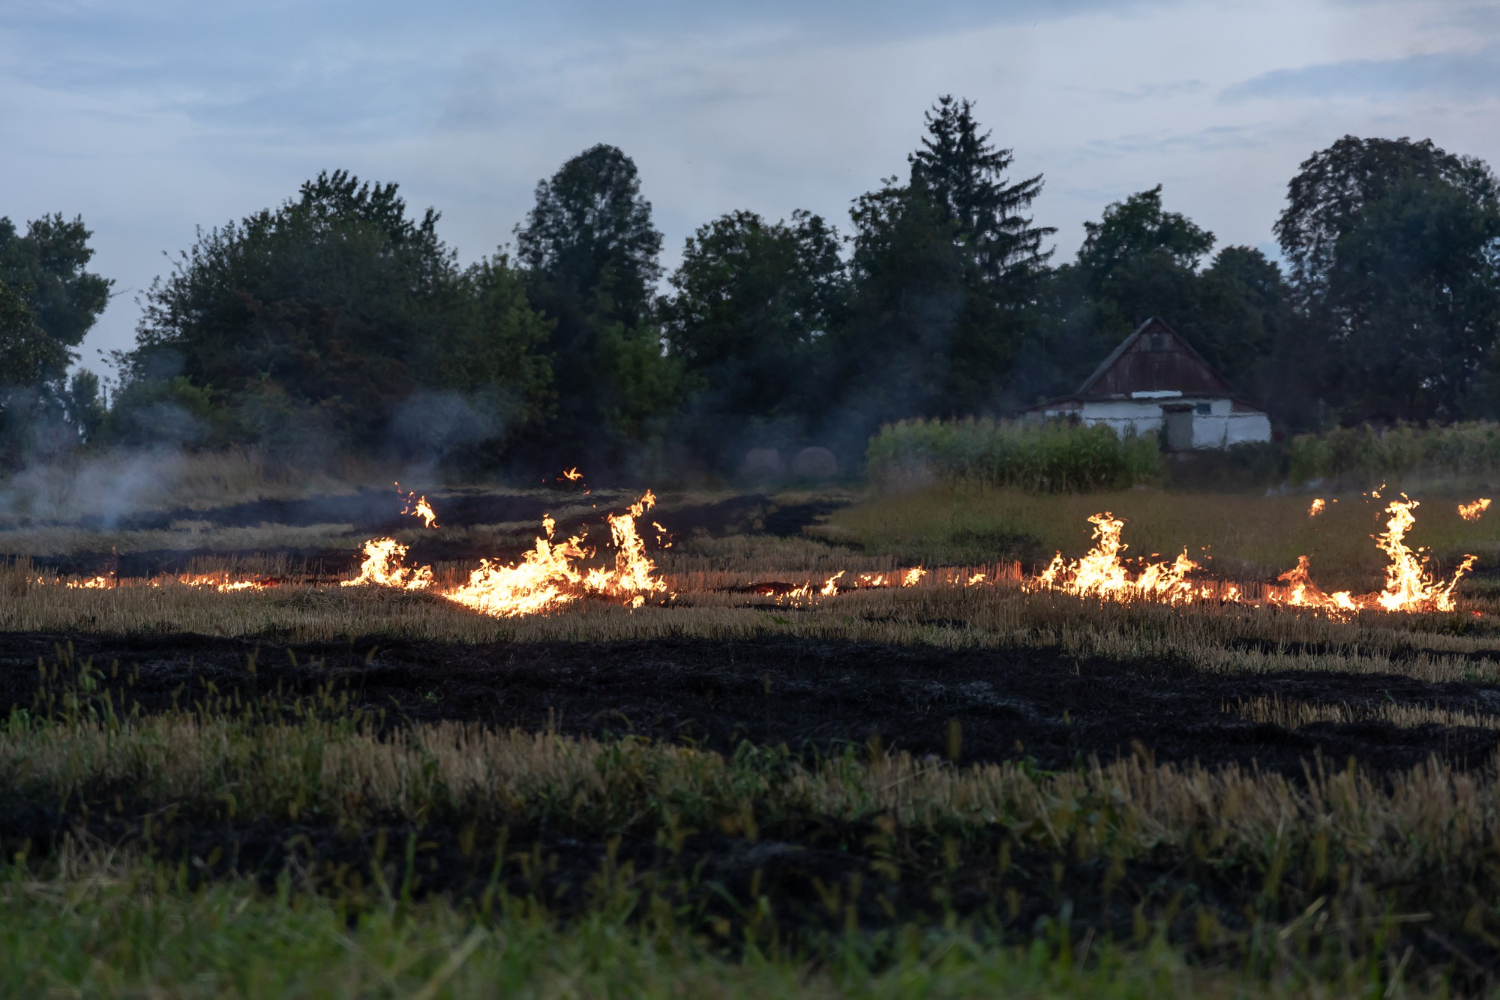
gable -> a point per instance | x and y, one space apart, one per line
1154 358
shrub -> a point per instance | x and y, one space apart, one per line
1365 455
1055 457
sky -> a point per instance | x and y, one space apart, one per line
151 118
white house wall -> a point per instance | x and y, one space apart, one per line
1221 427
1221 431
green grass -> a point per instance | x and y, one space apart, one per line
884 874
1055 457
1235 535
114 929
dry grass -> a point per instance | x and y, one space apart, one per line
1296 714
705 577
1242 536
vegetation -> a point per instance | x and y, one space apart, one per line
1359 456
340 321
1056 457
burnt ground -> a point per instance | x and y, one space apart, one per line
822 876
812 696
377 512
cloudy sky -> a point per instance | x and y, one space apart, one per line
151 117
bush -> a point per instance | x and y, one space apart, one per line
1365 455
1056 457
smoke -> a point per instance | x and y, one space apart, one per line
98 491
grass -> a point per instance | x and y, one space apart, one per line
299 848
1235 535
1093 881
147 935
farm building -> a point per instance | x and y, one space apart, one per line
1155 381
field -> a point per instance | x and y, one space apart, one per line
970 785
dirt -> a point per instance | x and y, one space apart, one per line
813 696
375 513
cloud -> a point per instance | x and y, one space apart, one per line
1463 74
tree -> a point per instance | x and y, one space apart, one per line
591 255
324 322
1395 254
753 306
48 303
1140 260
963 174
946 270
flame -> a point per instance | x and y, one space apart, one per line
382 568
974 580
92 583
1471 511
547 577
1100 573
572 475
1408 585
831 585
913 576
1303 593
222 582
418 507
1317 507
539 582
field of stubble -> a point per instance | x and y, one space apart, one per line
936 789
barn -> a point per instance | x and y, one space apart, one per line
1155 381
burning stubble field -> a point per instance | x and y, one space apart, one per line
589 743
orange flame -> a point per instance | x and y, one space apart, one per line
1409 586
1317 507
419 507
382 568
572 475
1471 511
1100 573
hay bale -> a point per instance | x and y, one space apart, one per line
815 463
762 463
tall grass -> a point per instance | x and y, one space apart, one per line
1054 457
1363 455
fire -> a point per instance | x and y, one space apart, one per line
382 567
1317 507
975 580
419 507
913 577
547 577
541 581
1471 511
1100 573
572 475
1303 593
1408 585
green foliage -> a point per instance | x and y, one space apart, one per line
754 301
46 268
48 302
590 252
328 321
1055 457
1367 457
1141 260
1395 254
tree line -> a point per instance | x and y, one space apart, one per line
340 321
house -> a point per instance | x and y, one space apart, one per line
1155 381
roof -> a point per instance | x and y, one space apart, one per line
1154 358
1164 361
